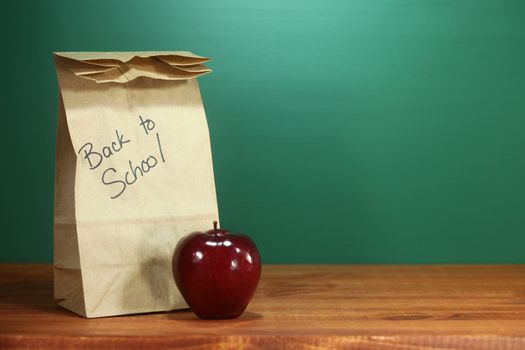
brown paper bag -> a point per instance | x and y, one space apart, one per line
133 175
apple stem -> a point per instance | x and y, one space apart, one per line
214 224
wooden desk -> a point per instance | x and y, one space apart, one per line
295 307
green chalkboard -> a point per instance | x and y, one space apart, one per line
361 131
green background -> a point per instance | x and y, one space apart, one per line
352 131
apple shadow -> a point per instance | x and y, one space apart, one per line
154 274
187 315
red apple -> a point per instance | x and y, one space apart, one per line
216 272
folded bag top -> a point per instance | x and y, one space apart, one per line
122 67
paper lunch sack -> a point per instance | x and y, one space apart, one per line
133 175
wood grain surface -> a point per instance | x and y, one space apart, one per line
295 307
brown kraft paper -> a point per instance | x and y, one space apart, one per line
133 175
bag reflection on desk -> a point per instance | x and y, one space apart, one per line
133 175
